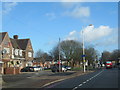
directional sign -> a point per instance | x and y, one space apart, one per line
83 55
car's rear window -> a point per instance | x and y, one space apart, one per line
108 62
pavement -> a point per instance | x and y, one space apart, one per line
38 79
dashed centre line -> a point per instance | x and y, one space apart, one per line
84 82
87 80
80 85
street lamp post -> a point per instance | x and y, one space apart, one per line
83 52
84 70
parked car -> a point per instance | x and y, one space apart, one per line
55 68
68 67
47 68
64 69
108 64
27 69
38 68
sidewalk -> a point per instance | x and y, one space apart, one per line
40 81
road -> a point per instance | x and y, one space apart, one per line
34 79
105 78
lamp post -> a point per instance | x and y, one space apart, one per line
84 69
83 51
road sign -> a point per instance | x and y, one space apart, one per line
83 55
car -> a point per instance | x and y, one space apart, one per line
55 68
64 69
27 69
68 67
108 64
47 68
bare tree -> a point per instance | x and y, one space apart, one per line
106 55
70 50
41 56
115 55
91 55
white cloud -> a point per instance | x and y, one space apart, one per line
110 40
8 6
73 35
79 12
51 16
92 34
101 36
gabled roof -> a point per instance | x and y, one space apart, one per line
14 43
19 43
22 43
2 36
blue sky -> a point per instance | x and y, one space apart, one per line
45 22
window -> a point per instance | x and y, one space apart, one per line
12 51
20 52
7 50
29 54
16 51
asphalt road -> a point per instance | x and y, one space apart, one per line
105 78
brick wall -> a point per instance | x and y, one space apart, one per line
12 70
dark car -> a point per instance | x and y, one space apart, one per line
55 68
27 69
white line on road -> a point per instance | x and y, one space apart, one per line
74 88
80 85
84 82
88 79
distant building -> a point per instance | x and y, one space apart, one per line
15 53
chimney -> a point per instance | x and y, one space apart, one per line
15 36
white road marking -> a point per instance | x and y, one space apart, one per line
88 80
80 85
74 88
84 82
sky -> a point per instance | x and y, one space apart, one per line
45 22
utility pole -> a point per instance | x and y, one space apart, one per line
59 57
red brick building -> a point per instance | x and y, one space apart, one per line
15 53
